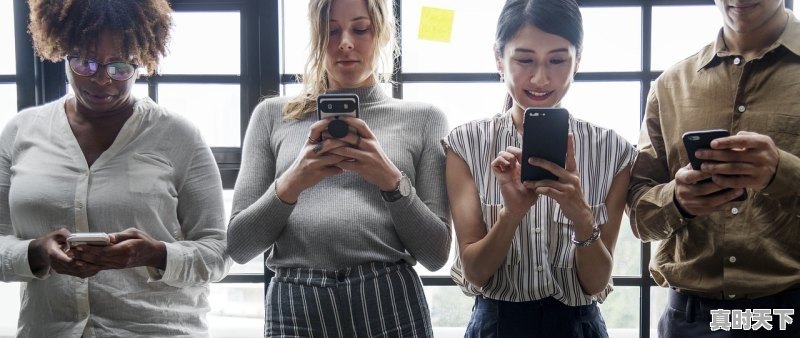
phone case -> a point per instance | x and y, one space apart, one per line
701 139
88 238
329 105
544 136
696 140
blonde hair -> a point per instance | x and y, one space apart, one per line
315 77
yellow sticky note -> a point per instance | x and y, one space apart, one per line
436 24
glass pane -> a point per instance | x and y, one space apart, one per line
256 265
450 310
7 55
8 103
461 102
621 312
699 26
612 39
237 310
612 105
658 303
198 47
9 312
627 252
295 38
470 47
217 117
139 90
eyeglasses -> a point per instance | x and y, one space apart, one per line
116 70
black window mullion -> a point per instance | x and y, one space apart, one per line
25 79
397 65
644 263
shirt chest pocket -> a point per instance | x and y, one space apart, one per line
560 246
785 132
150 174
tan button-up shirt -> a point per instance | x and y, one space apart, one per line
753 248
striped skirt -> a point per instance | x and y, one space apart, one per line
370 300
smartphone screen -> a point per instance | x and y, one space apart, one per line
544 136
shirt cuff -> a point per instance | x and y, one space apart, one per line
16 258
659 216
787 176
175 258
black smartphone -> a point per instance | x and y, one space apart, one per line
544 136
701 139
336 105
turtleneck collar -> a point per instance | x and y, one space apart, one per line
369 94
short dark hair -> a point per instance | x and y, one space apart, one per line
557 17
58 26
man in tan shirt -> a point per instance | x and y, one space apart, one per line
717 253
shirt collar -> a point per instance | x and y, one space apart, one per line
789 38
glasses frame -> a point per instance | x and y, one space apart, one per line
68 58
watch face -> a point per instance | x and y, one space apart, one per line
405 186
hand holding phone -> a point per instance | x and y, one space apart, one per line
544 136
88 238
335 105
701 139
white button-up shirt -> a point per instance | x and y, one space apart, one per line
158 176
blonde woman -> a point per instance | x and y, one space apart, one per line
344 219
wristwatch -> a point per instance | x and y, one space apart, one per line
402 189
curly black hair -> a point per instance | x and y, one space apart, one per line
59 26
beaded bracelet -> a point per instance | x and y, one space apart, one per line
592 239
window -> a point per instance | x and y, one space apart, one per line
699 26
8 107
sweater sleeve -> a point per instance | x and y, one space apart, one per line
257 217
422 219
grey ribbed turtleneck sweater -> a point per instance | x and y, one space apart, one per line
343 221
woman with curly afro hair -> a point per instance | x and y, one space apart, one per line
103 161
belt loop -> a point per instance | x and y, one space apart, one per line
690 308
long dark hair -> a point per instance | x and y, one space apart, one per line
557 17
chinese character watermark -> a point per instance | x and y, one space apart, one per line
755 319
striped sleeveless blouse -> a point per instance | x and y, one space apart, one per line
541 260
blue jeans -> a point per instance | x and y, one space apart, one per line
544 318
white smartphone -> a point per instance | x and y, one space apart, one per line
88 238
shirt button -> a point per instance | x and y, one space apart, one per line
539 268
735 211
732 259
538 230
742 109
737 61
